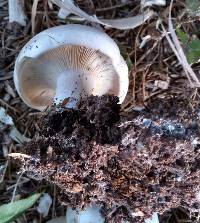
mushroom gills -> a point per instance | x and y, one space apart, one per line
67 72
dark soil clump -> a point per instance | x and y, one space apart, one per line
131 167
95 119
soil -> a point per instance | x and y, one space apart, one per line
130 165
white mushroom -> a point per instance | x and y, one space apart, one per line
89 215
70 61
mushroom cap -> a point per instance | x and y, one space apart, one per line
69 62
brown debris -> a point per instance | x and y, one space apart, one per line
150 168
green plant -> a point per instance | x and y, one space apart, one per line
190 47
193 7
10 211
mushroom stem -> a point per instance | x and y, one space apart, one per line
90 214
16 12
65 86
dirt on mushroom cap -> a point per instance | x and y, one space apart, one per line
142 163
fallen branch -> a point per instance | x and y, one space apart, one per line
68 6
16 12
63 13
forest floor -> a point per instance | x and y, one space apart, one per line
159 93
